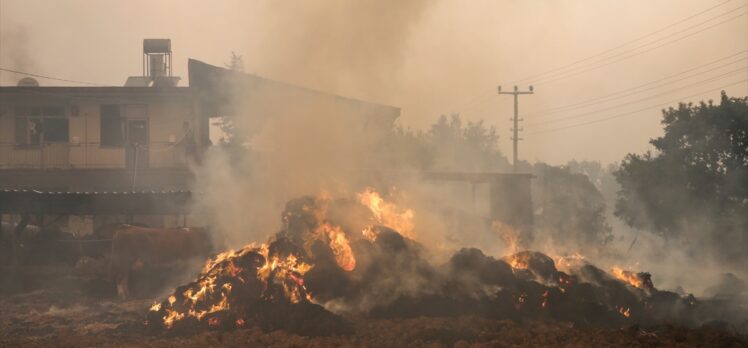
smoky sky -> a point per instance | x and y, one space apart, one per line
427 57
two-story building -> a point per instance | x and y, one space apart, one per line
99 138
109 142
141 136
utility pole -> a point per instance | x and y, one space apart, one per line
516 120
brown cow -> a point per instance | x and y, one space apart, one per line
134 247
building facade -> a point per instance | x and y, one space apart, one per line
99 138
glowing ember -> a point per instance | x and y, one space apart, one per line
387 214
626 312
156 307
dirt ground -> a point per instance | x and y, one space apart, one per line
66 318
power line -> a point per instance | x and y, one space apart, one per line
575 71
612 96
623 44
635 111
605 98
635 54
729 73
483 98
50 77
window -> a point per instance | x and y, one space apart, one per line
36 124
112 126
56 129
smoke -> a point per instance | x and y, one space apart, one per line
16 53
302 143
353 47
691 260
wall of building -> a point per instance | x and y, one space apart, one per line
166 119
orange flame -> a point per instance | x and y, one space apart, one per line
627 277
340 246
387 214
508 235
222 265
518 261
569 262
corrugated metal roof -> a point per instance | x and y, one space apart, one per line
29 201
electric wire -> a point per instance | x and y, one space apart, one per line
481 99
592 101
50 77
698 83
636 111
620 45
569 66
606 63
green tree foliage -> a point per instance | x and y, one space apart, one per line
570 209
697 179
449 144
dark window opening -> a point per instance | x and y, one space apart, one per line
56 129
37 124
112 126
22 131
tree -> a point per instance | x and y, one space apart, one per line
696 181
231 138
571 210
467 147
449 144
236 62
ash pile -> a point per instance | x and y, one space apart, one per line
339 259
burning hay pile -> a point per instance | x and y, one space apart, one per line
336 258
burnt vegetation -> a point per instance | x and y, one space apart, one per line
394 278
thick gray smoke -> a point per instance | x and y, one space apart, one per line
300 145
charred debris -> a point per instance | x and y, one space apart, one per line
316 273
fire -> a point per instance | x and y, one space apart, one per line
211 293
339 245
369 233
569 262
387 214
288 273
626 312
508 235
518 261
627 277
